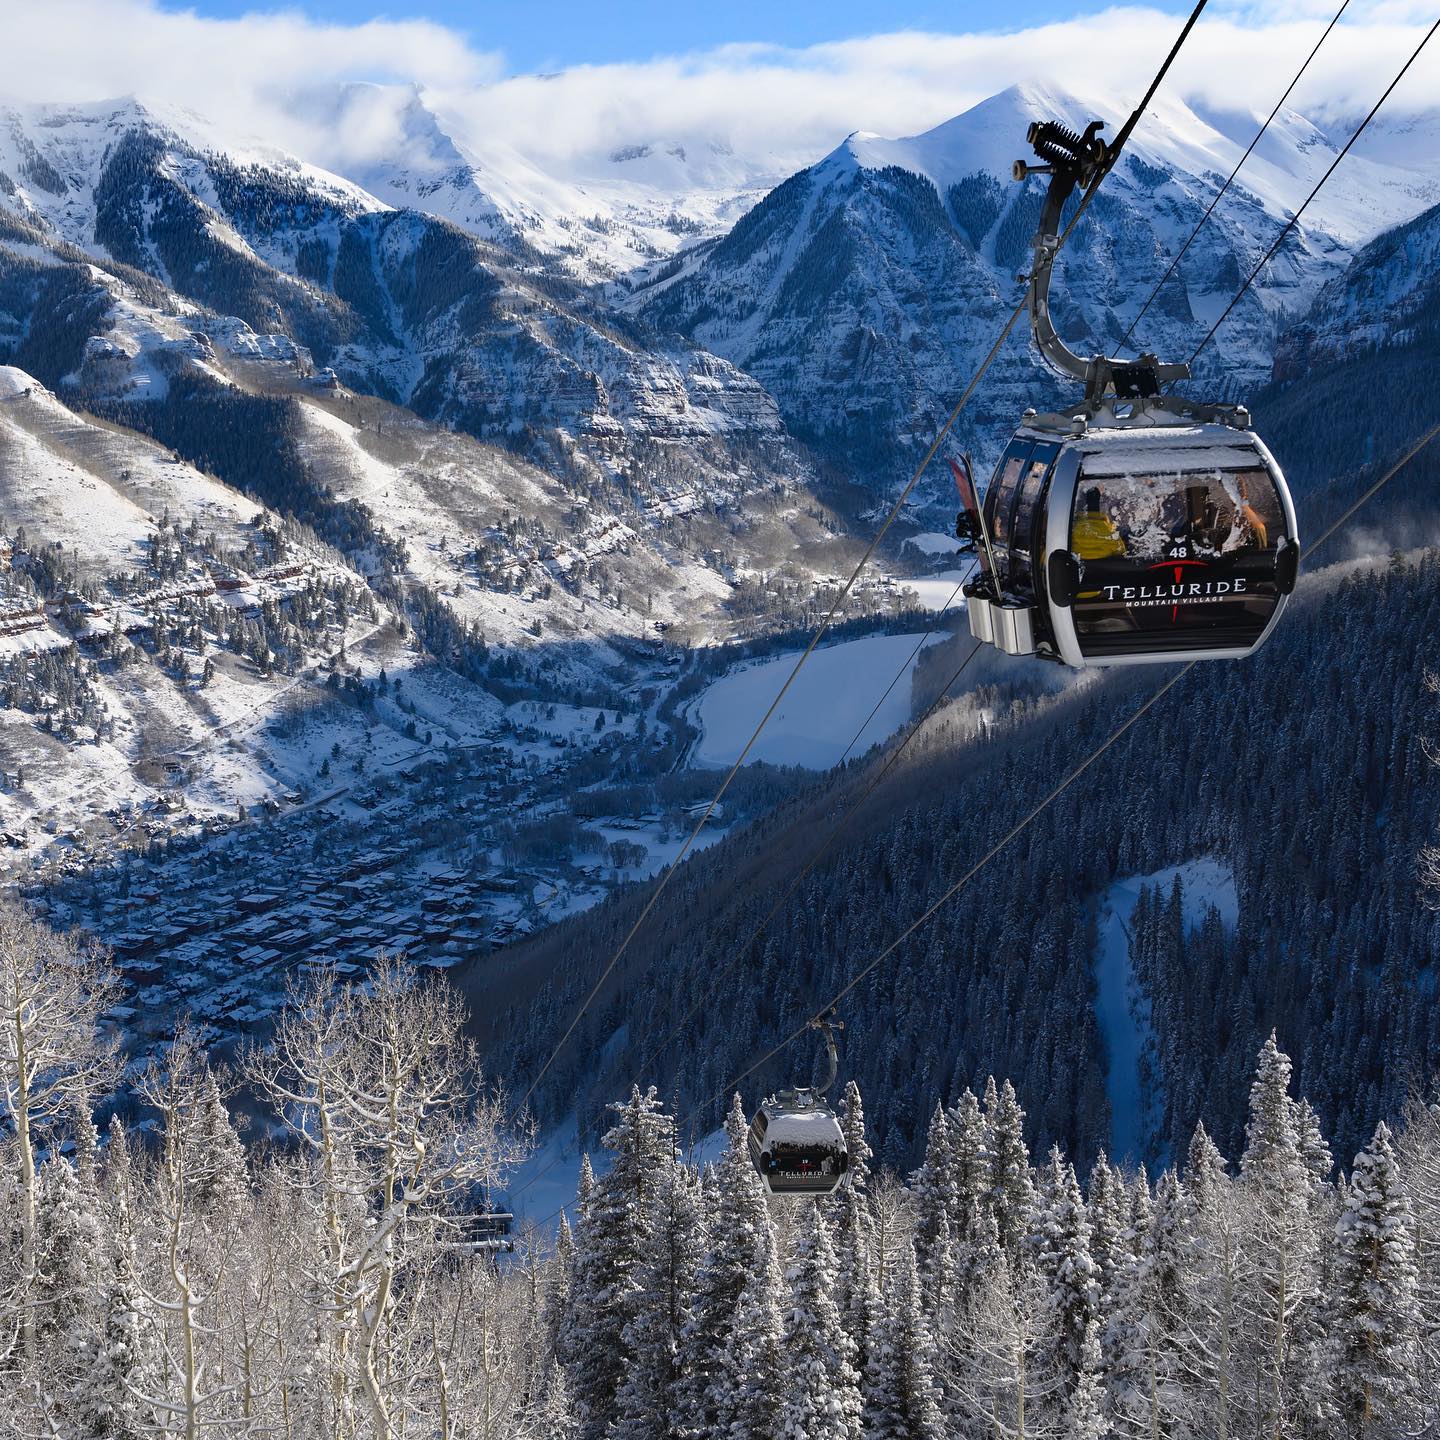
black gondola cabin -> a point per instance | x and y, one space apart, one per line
1135 531
797 1145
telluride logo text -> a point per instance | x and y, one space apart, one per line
1190 591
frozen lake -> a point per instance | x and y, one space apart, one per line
820 715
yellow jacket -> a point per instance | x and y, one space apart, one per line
1094 537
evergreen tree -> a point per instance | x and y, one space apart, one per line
902 1399
758 1372
554 1417
69 1262
1012 1192
221 1183
558 1274
1059 1243
1108 1222
820 1396
1205 1174
1377 1315
648 1403
1215 1317
612 1248
124 1367
1313 1149
735 1309
856 1292
968 1191
1281 1257
1148 1315
934 1204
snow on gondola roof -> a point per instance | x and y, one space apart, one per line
1166 448
804 1127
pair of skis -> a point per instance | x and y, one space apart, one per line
970 522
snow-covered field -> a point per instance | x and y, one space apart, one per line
940 592
1123 1010
818 720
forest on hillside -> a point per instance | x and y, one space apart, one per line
1303 772
340 1277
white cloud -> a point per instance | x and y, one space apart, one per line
275 75
257 74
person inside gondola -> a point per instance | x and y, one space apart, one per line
1095 536
1203 527
1256 532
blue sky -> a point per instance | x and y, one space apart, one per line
552 34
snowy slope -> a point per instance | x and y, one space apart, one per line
97 490
1388 295
1137 1104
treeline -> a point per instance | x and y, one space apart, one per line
345 1278
990 1296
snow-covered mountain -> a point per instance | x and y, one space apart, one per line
864 291
535 473
599 218
1388 296
531 488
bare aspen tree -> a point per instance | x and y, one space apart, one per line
195 1246
386 1094
53 990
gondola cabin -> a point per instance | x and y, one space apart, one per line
797 1145
1134 532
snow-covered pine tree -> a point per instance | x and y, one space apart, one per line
934 1204
902 1396
1206 1177
1214 1284
123 1368
1128 1321
648 1404
567 1334
554 1417
1108 1223
820 1393
757 1367
737 1280
1147 1323
1280 1259
1012 1191
848 1210
87 1148
70 1263
612 1246
1059 1244
1376 1313
969 1190
221 1181
1314 1150
556 1290
1086 1419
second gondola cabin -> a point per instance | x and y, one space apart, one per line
797 1145
1135 531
